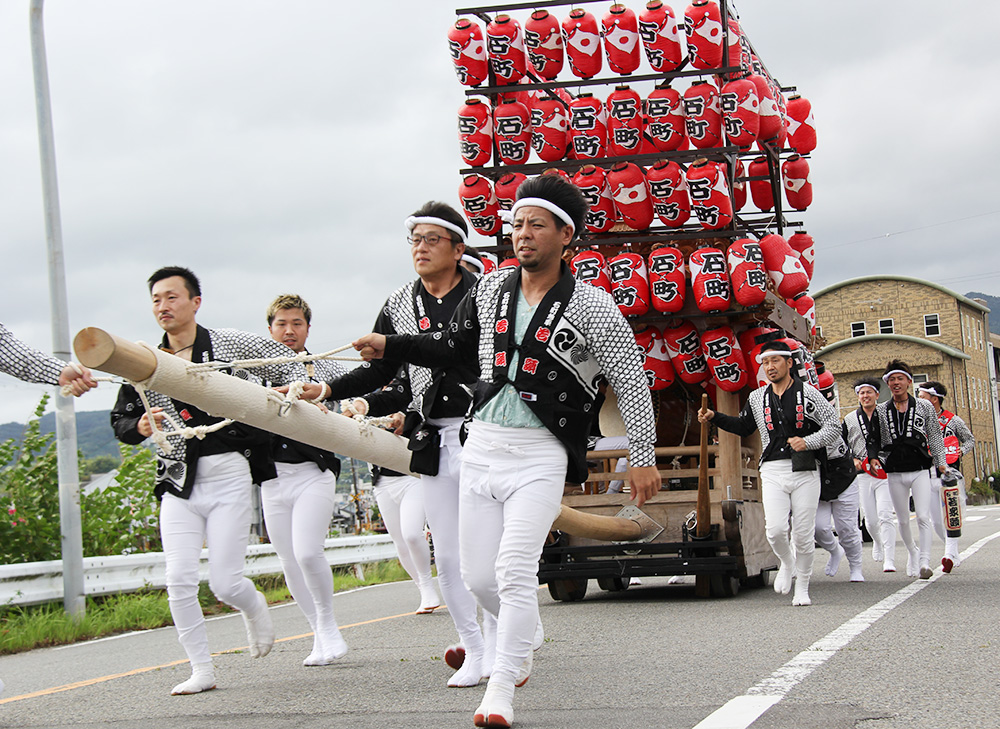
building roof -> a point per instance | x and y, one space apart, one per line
909 279
950 351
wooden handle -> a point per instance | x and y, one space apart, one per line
99 350
593 526
704 527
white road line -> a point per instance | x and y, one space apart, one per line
975 518
743 711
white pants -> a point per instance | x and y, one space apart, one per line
841 514
400 501
901 486
937 515
876 507
787 493
512 486
298 505
441 503
217 515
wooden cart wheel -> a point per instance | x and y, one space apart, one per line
725 586
568 590
613 584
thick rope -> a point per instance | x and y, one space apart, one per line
301 357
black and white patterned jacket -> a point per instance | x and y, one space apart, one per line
857 437
176 472
906 454
607 344
816 409
27 363
286 450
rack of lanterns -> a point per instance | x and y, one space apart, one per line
689 152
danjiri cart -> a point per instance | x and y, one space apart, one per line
661 169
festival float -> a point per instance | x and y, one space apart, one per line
694 159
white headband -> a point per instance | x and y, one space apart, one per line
857 390
890 373
930 391
772 353
475 262
412 222
539 202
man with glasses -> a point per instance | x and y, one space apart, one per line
435 400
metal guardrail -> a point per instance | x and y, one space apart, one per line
37 582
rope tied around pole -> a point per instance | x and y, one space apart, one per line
300 358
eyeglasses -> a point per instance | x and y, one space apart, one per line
431 240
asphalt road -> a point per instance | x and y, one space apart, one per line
891 653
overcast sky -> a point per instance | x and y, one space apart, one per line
276 147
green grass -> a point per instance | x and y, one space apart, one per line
38 626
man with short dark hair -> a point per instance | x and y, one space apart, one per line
795 421
958 440
876 504
204 484
542 342
435 400
908 444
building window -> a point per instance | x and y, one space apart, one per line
932 325
920 379
885 326
858 329
819 331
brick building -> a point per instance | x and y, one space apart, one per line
942 335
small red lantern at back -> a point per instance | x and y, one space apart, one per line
686 352
479 202
629 283
593 183
747 272
625 122
801 125
512 128
703 115
783 266
631 195
588 127
709 279
667 125
505 48
506 188
703 23
805 248
667 279
590 267
669 190
475 132
549 129
544 44
709 193
583 43
740 111
798 188
621 39
725 359
661 37
659 370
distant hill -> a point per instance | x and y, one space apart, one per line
93 432
994 303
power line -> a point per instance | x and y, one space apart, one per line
908 230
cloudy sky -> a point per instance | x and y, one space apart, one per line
275 147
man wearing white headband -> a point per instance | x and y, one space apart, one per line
435 400
907 444
794 421
958 440
542 342
876 504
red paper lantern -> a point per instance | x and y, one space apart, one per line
667 280
621 39
625 122
667 126
709 193
761 190
709 279
505 48
686 352
475 132
805 248
669 191
739 186
747 339
740 111
629 283
544 44
805 305
588 127
593 183
704 118
738 53
512 128
509 263
801 125
747 272
556 171
479 202
490 262
770 126
583 43
753 349
783 266
725 359
661 37
631 195
506 189
590 267
549 129
659 371
468 52
798 188
703 24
